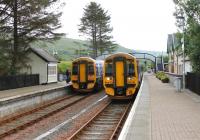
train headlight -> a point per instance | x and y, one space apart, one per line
130 80
108 78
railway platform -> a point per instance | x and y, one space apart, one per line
15 99
13 93
162 113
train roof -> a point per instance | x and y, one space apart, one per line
120 54
84 58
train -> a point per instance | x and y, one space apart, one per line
121 76
87 74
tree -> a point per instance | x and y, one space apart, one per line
26 21
166 58
95 24
191 8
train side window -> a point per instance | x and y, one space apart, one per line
75 70
130 69
90 69
109 69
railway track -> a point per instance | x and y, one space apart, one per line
23 120
106 124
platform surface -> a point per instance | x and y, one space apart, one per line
162 113
14 93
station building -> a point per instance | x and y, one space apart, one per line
42 63
175 53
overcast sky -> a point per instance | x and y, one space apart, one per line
137 24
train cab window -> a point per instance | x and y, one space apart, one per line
109 69
75 70
130 69
90 69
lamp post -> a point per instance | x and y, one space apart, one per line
181 23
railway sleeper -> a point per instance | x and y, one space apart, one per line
105 122
96 132
100 128
110 116
94 137
107 119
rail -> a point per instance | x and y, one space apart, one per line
12 125
105 124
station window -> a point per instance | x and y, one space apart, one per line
52 70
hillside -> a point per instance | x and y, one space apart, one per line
67 48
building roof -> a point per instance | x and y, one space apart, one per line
43 54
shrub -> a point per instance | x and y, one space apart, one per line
165 79
63 65
162 76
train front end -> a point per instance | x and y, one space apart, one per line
83 74
120 76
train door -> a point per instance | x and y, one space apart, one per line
119 73
120 76
83 73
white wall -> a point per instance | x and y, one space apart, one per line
37 66
188 67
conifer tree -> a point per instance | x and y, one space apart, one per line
26 21
95 24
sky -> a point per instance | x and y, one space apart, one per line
137 24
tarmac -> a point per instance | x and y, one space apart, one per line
162 113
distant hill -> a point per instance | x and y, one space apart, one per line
67 48
156 53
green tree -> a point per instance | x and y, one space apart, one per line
95 24
191 9
26 21
165 58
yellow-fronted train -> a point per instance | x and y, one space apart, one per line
121 76
87 74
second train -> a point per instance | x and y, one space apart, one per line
87 74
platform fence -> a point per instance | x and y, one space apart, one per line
193 82
17 81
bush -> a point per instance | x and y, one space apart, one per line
162 76
63 65
165 79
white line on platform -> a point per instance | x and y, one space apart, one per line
67 121
126 126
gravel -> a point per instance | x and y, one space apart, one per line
43 126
